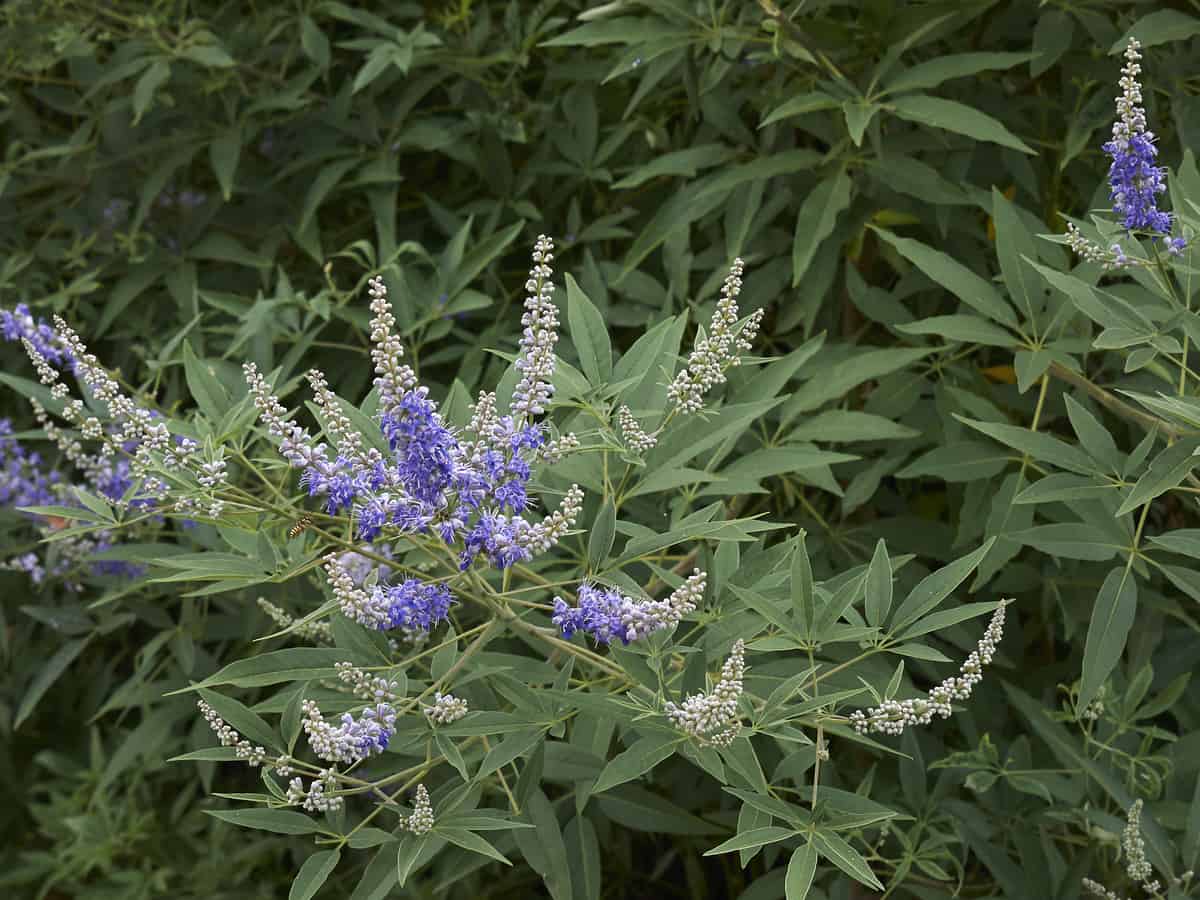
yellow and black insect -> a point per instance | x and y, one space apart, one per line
298 528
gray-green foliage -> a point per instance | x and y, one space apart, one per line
194 185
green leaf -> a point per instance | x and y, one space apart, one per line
668 479
544 848
636 760
468 840
801 105
801 869
1074 541
858 113
1112 617
879 586
1014 244
1037 444
955 65
756 837
211 56
944 619
326 180
313 42
834 381
47 675
686 162
817 218
950 115
837 425
407 854
600 541
205 387
846 858
937 586
1051 39
968 287
962 328
583 848
589 334
280 821
312 875
804 600
958 461
1166 471
223 155
1160 27
291 664
147 86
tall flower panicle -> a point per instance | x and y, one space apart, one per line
606 614
536 360
716 351
1133 177
712 718
893 716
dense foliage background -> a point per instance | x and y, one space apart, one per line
215 181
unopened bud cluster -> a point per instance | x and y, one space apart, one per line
713 717
421 820
892 716
717 350
318 797
636 439
446 708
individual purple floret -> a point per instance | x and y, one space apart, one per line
1135 180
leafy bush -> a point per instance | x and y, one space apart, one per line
954 380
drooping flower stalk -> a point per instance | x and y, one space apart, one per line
892 716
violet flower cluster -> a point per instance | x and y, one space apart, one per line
605 613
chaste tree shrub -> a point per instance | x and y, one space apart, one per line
497 598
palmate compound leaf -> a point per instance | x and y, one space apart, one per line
937 586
